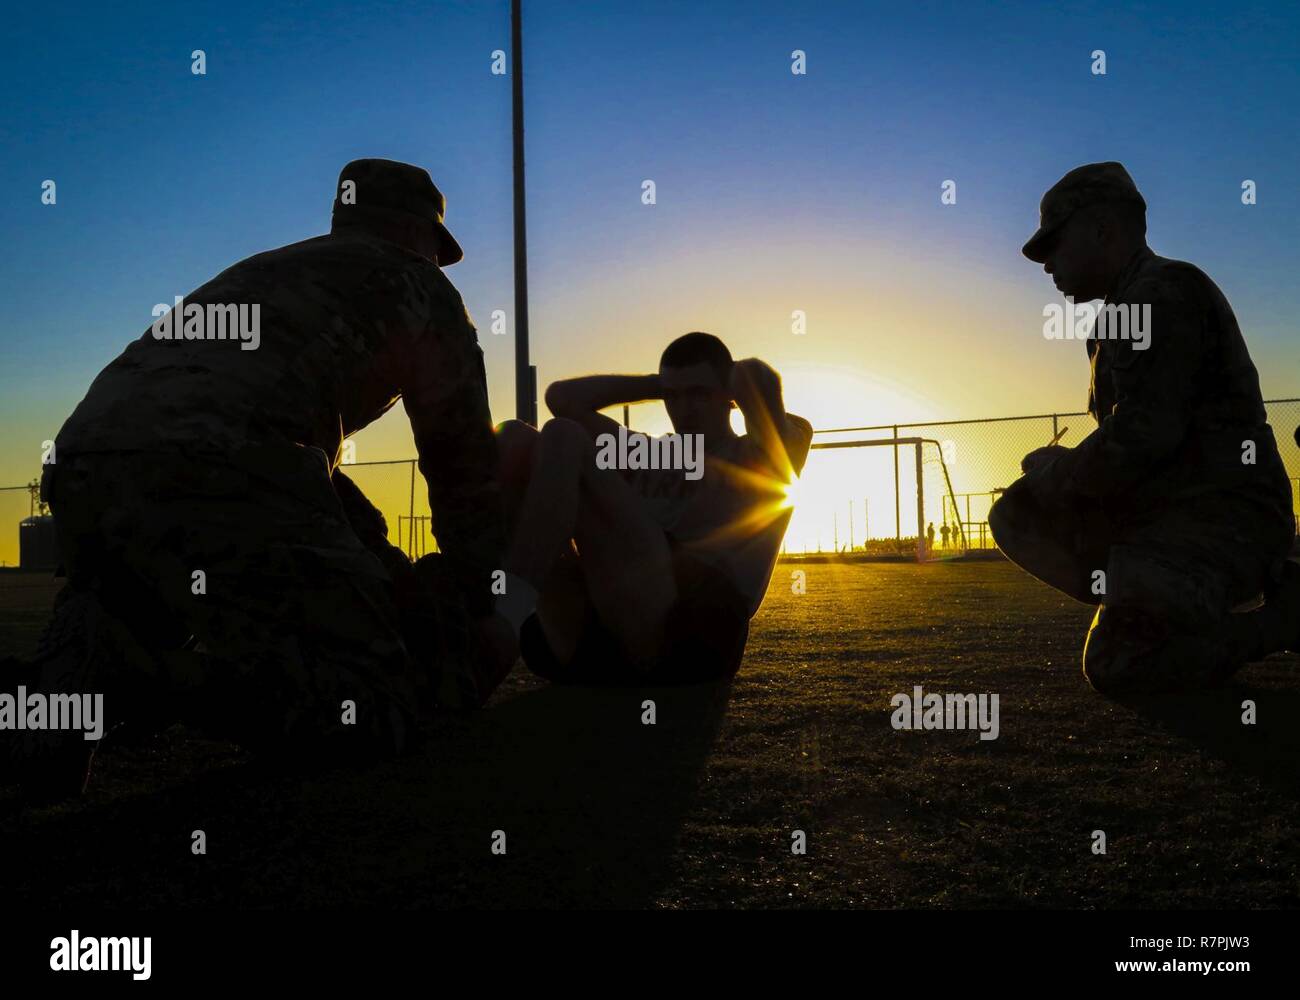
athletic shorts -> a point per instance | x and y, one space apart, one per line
704 636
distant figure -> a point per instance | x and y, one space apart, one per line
943 534
208 531
1176 509
649 574
929 538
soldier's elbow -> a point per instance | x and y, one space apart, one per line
559 400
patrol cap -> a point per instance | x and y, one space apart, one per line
1089 184
390 186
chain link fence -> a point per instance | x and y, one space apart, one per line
402 496
863 488
861 491
857 477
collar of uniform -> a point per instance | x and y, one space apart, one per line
1128 272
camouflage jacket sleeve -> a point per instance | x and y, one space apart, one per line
1151 394
444 390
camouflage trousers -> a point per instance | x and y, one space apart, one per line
245 601
1165 584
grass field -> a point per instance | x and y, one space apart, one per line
697 810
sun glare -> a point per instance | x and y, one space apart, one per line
792 493
844 495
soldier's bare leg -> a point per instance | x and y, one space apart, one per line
625 561
562 604
516 453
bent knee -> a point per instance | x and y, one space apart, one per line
999 520
565 438
516 435
1011 519
516 442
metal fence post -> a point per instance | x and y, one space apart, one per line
898 516
410 524
920 507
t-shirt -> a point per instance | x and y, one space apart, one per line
733 517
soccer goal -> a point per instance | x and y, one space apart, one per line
878 494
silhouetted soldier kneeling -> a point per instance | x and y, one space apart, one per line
1177 508
221 569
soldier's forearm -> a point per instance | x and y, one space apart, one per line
473 551
469 523
572 397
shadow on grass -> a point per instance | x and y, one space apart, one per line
589 798
1268 749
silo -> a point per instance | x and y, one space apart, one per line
38 547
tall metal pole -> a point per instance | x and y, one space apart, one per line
525 376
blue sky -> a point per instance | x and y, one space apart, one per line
774 192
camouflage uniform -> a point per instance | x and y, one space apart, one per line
196 455
1158 497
